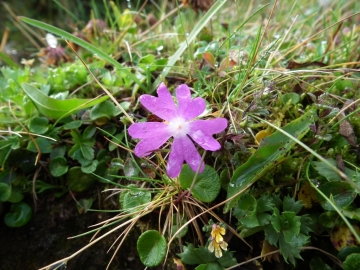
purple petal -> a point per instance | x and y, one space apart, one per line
148 145
162 106
148 130
201 132
188 108
183 149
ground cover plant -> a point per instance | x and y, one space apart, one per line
224 132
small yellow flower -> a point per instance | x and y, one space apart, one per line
217 241
217 247
217 232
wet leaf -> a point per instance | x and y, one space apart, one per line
272 149
207 184
341 193
151 247
134 199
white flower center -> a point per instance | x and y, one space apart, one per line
178 127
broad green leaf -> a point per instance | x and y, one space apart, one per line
20 214
105 109
200 255
53 108
272 149
43 144
341 193
58 166
346 251
352 262
16 195
151 247
79 181
5 192
290 225
134 199
207 184
39 125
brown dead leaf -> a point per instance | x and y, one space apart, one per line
203 5
346 130
267 248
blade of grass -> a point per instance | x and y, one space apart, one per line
83 44
183 46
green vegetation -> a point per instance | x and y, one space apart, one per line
283 190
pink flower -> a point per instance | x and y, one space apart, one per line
179 124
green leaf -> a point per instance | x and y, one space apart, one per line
210 266
151 247
79 181
346 251
5 192
290 225
291 98
289 204
20 214
58 166
272 149
105 109
53 108
352 262
44 145
84 205
327 219
200 255
289 252
39 125
317 263
207 184
91 167
134 199
100 53
16 195
341 193
73 124
246 211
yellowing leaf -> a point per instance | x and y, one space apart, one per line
261 135
307 195
342 237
